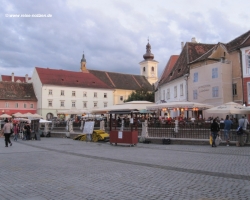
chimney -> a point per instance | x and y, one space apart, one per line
193 40
182 45
26 78
12 77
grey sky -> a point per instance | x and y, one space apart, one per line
112 33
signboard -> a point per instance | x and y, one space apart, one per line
88 127
120 134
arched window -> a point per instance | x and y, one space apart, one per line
152 69
144 69
49 116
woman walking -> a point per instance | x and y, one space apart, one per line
7 132
16 131
215 128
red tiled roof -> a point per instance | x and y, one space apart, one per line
16 78
17 91
239 42
171 62
189 53
123 81
69 78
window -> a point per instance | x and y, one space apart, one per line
31 105
168 93
144 69
73 104
73 93
163 95
50 92
16 105
121 98
152 69
196 77
248 64
95 104
62 104
105 95
24 105
181 89
62 92
6 105
215 91
50 103
95 94
84 94
84 104
234 89
175 91
105 104
215 73
195 95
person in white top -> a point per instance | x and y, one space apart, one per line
7 132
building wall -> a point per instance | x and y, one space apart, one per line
37 85
245 58
152 76
9 106
120 95
205 83
235 59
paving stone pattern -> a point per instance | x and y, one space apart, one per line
60 168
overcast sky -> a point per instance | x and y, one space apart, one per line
112 33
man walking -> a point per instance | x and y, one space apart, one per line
243 122
227 127
7 132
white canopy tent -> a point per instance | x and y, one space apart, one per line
229 108
132 106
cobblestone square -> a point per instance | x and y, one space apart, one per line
60 168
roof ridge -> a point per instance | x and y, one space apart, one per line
110 79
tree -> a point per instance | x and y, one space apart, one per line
141 95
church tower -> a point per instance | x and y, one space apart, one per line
149 66
83 64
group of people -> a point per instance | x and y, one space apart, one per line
9 128
215 129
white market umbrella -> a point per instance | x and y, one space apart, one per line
229 108
28 115
179 104
18 114
36 115
5 116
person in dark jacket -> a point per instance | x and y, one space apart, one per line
215 128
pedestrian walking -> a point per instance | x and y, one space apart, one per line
7 132
215 128
227 126
16 131
243 122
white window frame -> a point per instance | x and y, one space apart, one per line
168 93
62 104
85 105
105 95
50 103
95 94
215 72
50 92
73 104
196 75
31 105
16 105
163 95
121 98
73 93
195 94
181 89
215 91
7 105
175 91
62 92
84 94
105 104
95 104
24 105
247 64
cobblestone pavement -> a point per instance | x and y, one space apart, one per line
60 168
